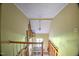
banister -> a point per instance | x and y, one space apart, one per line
18 42
4 42
53 45
53 50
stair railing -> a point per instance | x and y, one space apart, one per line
15 43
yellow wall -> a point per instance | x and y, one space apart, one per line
13 27
0 28
45 39
64 32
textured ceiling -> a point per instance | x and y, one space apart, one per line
40 10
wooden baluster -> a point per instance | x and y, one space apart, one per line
13 50
20 46
42 48
16 49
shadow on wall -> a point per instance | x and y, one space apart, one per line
78 4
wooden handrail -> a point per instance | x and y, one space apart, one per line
53 45
2 42
52 49
18 42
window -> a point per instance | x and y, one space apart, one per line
39 40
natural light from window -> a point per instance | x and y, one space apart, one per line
39 40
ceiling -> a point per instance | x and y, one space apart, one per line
43 24
40 10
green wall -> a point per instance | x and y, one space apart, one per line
13 27
64 32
